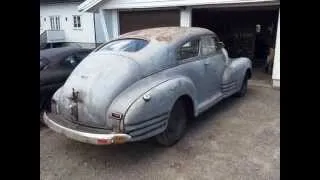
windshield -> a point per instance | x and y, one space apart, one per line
127 45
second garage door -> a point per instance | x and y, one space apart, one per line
135 20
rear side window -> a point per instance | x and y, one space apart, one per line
188 50
127 45
208 46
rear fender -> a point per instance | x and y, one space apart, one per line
234 74
147 115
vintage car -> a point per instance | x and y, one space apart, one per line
146 83
55 66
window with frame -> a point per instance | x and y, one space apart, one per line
55 22
208 45
76 22
188 50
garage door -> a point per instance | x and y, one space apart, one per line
135 20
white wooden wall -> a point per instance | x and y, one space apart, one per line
67 10
276 63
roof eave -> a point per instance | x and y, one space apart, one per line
93 5
89 5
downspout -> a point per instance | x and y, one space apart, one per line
94 27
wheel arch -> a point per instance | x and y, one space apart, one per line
249 73
189 105
152 111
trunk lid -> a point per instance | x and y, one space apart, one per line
93 85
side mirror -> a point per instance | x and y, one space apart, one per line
220 45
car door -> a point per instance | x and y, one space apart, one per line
192 66
215 65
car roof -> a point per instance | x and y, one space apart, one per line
166 34
54 53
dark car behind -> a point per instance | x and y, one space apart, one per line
56 64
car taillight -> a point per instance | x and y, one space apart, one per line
116 115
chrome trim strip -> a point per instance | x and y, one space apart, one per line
90 138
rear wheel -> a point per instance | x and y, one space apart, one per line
176 125
244 87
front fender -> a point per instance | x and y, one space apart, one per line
146 118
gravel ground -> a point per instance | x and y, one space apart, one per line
237 139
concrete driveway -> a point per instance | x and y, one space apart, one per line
237 139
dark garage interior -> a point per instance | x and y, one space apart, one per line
135 20
239 29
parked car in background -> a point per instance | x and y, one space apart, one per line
55 66
144 84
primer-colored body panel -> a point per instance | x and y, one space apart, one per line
143 86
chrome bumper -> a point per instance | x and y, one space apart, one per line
91 138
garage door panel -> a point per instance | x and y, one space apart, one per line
135 20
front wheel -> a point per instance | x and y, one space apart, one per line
176 125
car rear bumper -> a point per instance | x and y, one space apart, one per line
91 138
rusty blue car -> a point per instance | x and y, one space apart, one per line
146 83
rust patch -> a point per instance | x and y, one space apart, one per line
166 34
164 38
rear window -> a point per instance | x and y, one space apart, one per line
126 45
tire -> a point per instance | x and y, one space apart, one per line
242 92
45 107
176 125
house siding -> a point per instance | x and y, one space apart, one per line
66 10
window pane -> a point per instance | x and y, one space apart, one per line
188 50
128 45
58 23
208 46
74 21
51 23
